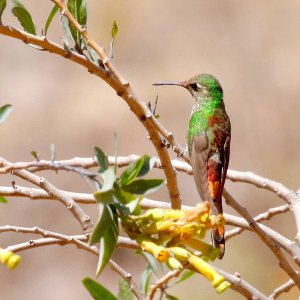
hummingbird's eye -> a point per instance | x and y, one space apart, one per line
194 86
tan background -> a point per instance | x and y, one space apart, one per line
252 47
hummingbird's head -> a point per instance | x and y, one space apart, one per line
203 86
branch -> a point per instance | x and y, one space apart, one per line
282 289
69 203
274 246
162 282
241 286
261 217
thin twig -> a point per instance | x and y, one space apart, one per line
282 289
267 215
162 282
69 203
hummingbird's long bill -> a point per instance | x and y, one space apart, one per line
168 83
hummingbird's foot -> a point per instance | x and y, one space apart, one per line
165 143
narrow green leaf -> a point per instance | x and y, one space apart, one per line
53 12
187 274
24 17
102 159
97 291
78 8
143 186
109 239
147 166
170 297
106 232
131 171
2 8
104 197
114 31
67 36
134 206
3 200
152 262
35 154
52 152
93 55
116 152
5 110
145 280
124 290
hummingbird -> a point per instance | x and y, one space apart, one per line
208 140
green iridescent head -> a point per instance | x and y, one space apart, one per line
204 86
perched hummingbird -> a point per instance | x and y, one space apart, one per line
208 139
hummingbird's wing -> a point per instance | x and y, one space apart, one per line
199 156
209 169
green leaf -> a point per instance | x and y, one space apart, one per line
2 7
5 110
187 274
170 297
131 172
97 291
36 155
106 232
53 12
143 186
147 166
124 290
152 262
114 31
102 159
78 9
104 197
123 196
24 17
3 200
52 152
67 36
145 280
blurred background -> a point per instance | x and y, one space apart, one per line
253 48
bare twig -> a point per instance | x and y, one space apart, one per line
162 282
282 289
274 246
261 217
241 286
69 203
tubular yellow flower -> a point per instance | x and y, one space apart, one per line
180 253
206 249
174 264
210 273
159 252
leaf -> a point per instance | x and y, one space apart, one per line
67 36
2 8
170 297
145 280
106 232
143 186
147 166
24 17
5 110
102 159
187 274
53 12
35 154
93 54
124 290
152 262
131 172
78 9
3 200
123 196
52 152
97 291
114 31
